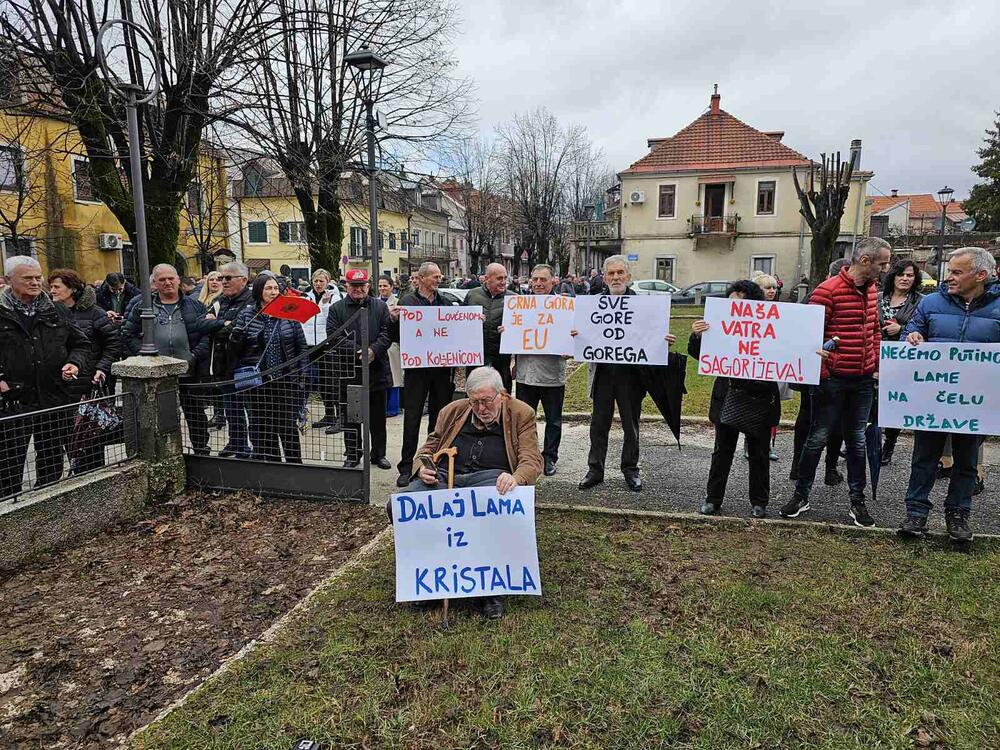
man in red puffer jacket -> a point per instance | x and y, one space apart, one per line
847 380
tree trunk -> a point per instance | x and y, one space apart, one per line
163 225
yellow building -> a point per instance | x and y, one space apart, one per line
716 202
48 203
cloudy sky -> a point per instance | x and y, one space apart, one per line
918 82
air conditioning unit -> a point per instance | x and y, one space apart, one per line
110 242
637 196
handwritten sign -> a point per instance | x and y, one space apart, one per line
465 542
620 328
940 387
441 336
537 324
757 340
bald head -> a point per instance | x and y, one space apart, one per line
496 278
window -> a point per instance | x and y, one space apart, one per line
416 239
392 240
665 269
661 286
83 190
765 198
381 240
403 241
194 199
20 246
668 202
257 232
292 231
762 263
359 241
130 264
11 165
646 285
253 181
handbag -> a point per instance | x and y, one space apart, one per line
96 424
249 376
745 411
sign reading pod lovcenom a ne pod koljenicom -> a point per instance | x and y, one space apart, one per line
435 336
940 387
464 542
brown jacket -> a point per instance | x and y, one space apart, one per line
519 433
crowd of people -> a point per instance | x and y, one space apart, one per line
218 326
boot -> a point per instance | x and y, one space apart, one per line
957 522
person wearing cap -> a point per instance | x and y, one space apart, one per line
350 357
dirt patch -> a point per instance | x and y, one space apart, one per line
97 639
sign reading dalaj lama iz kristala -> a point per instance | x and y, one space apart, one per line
465 542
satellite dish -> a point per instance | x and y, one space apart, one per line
383 124
967 225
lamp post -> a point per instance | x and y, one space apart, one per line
135 94
366 66
944 198
588 211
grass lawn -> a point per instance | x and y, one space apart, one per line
650 635
699 386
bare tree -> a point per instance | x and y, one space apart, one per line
206 208
302 107
480 190
196 46
823 208
536 157
588 179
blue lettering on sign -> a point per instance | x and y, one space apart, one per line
486 579
412 509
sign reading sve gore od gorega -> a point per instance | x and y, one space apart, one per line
940 387
465 542
537 324
757 340
622 328
441 336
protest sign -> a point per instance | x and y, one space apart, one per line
458 543
940 387
620 328
441 336
758 340
537 324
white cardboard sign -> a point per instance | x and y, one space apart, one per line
622 328
940 387
435 336
758 340
452 544
537 324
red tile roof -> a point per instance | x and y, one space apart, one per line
921 204
717 141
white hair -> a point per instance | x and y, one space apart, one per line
870 247
159 267
760 279
982 260
615 259
483 377
238 268
16 261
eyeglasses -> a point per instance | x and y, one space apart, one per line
478 403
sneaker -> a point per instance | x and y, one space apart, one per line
979 488
957 522
794 507
943 472
708 508
860 515
914 526
758 511
772 455
833 478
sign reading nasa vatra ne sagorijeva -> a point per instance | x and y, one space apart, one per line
622 328
940 387
465 542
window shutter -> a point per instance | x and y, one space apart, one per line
282 231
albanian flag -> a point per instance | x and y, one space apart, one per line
291 307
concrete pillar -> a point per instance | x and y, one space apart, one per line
153 382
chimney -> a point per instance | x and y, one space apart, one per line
714 108
895 192
856 152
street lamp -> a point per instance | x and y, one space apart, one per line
135 94
944 198
588 211
367 67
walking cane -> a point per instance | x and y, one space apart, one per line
450 453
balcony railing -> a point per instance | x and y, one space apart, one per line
433 252
727 224
595 230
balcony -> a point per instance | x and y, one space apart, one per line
595 231
726 225
432 252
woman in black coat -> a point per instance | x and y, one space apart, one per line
757 440
258 340
79 301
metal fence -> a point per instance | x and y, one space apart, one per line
40 448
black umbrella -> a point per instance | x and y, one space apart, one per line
873 449
665 385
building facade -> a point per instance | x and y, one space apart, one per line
717 202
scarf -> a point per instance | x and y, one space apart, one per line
27 309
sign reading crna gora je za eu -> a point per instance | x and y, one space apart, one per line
537 324
758 340
435 336
465 542
622 328
940 387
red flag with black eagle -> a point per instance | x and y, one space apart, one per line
291 307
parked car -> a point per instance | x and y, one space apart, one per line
453 292
686 296
653 286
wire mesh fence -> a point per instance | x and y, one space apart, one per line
40 448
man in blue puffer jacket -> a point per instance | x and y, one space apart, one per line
965 309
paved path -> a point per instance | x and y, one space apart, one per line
675 479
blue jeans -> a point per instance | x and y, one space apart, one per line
847 399
927 448
235 405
